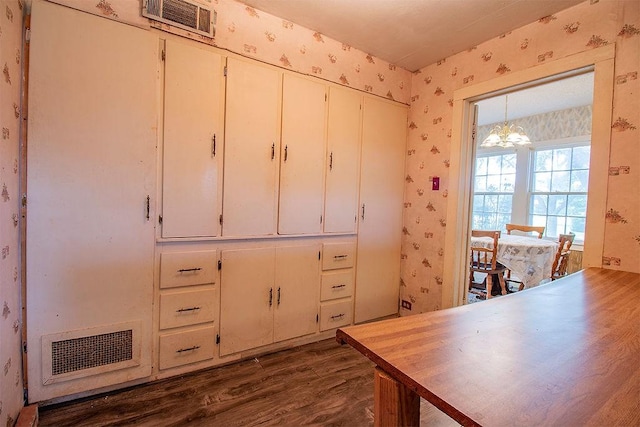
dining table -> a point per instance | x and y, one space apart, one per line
530 259
564 353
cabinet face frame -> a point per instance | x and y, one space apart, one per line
193 140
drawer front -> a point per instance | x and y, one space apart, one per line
182 348
187 308
335 314
338 255
336 284
187 268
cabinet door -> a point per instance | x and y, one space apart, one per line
93 113
193 136
343 161
381 197
247 299
297 291
302 156
251 149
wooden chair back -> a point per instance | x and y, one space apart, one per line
485 260
559 268
526 229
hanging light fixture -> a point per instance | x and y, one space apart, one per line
505 135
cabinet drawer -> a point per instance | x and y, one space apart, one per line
335 314
181 348
338 284
338 255
187 268
187 308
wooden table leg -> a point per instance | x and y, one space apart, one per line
394 404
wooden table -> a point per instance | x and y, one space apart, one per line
564 353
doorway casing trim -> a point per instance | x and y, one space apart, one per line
601 62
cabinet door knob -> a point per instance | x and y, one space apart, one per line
273 151
278 296
363 211
213 145
148 207
270 297
286 149
331 161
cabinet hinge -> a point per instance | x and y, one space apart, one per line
219 265
325 97
225 71
27 35
217 338
24 200
159 219
220 219
24 347
163 55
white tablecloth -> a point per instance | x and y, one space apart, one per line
529 259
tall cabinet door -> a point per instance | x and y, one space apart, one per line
251 149
193 135
381 196
343 161
297 291
247 299
91 191
303 153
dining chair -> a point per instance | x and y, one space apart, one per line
524 229
485 260
559 268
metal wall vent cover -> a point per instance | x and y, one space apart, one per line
90 352
185 14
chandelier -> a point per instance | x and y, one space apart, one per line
505 135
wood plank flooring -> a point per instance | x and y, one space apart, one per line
322 384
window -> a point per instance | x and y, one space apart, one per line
544 185
494 185
559 190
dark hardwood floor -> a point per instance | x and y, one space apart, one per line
316 384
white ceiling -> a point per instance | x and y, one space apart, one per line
412 33
559 95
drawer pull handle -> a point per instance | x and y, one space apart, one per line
338 286
182 350
270 297
187 270
337 316
339 257
182 310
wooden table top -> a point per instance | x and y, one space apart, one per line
564 353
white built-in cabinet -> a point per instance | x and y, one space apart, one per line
91 197
193 140
268 295
381 198
302 154
252 149
342 161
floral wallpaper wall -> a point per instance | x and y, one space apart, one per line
11 401
255 34
585 26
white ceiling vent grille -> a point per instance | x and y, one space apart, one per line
185 14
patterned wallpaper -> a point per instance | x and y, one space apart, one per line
585 26
255 34
10 319
550 126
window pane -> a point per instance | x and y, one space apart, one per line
539 220
560 181
579 180
557 205
493 183
543 160
555 226
581 157
491 203
542 182
480 184
509 163
478 203
481 166
505 204
502 220
576 225
508 183
539 205
494 164
562 159
577 205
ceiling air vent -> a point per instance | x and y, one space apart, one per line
188 15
